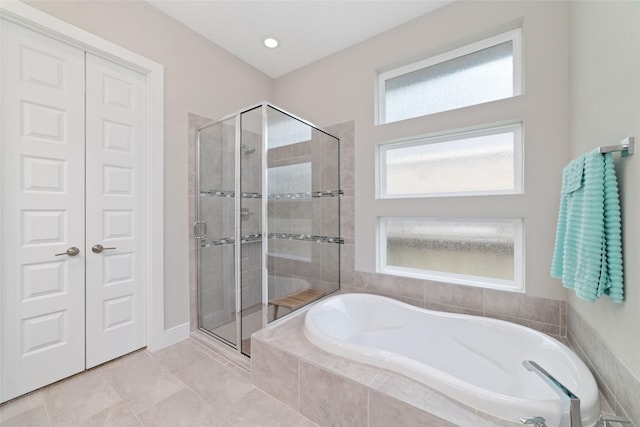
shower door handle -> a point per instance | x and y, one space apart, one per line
200 229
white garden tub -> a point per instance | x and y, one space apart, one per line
475 360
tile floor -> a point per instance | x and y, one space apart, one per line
187 384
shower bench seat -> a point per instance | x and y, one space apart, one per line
295 300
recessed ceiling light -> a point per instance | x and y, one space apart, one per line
271 43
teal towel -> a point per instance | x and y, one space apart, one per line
588 251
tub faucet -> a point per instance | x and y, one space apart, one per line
535 421
604 420
564 393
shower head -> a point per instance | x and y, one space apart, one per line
247 149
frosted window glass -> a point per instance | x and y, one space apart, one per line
480 249
484 163
482 76
290 179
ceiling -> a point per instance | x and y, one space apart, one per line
307 30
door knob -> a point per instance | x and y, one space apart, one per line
72 251
96 249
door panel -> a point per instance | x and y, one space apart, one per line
116 114
42 210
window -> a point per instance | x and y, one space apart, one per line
481 72
485 253
487 161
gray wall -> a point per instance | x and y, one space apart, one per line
605 108
341 88
200 78
601 109
581 90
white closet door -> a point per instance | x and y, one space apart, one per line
116 301
42 211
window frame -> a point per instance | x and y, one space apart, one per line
518 159
517 285
515 36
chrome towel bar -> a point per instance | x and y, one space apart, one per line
626 147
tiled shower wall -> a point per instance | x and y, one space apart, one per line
346 133
322 272
316 260
251 221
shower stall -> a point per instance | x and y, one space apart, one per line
267 220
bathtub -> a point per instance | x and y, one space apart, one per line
474 360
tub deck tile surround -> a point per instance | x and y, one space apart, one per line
451 295
386 412
451 309
618 386
272 368
332 390
319 402
521 306
542 314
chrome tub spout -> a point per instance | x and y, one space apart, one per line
565 394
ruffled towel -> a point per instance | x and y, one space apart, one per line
588 251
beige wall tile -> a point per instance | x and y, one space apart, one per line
522 306
385 411
451 309
546 328
275 372
347 368
328 399
259 409
454 295
627 390
427 399
401 286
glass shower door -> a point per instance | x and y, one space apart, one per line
268 221
250 154
215 230
303 206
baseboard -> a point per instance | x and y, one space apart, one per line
172 336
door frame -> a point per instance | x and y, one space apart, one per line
30 17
